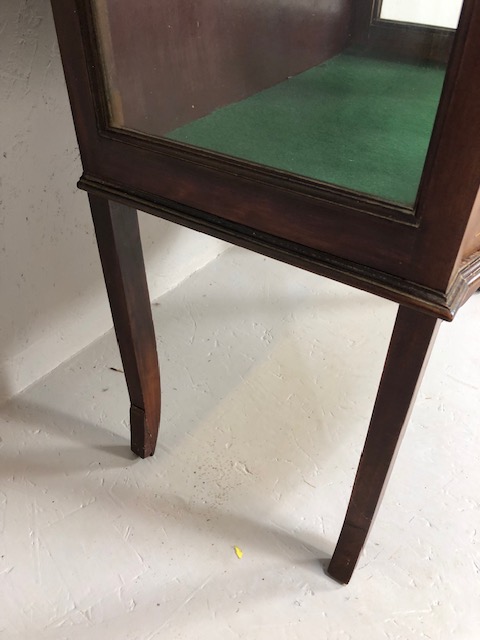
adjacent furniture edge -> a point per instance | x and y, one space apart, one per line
437 303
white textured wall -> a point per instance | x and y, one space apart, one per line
52 297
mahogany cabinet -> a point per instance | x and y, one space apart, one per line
334 135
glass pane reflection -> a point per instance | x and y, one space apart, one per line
282 84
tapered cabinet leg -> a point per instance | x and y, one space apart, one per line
410 345
119 244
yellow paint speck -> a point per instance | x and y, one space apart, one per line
238 552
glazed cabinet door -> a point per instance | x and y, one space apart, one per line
321 127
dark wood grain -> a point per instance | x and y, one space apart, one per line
425 257
212 52
450 183
412 339
396 289
118 238
345 224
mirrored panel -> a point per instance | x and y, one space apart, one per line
286 84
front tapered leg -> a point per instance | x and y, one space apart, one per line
119 244
412 338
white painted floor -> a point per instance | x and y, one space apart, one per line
269 376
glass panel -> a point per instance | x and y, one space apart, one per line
437 13
280 83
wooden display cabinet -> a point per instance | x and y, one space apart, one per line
317 132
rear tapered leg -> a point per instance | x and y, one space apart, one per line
119 244
410 345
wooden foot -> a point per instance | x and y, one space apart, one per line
143 434
118 239
410 345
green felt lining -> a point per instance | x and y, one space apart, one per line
357 122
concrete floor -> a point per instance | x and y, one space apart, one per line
269 376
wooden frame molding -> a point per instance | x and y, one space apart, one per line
398 290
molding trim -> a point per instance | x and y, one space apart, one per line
464 284
437 303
